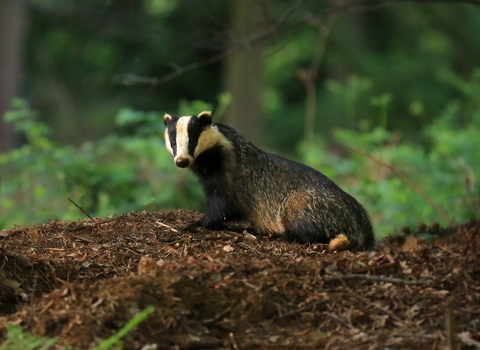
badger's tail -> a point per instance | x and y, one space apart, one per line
340 242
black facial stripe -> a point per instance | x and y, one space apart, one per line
194 131
172 134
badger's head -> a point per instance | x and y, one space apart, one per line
187 137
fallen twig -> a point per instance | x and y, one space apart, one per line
405 179
83 211
373 278
211 238
340 319
182 240
450 326
167 226
379 307
375 267
217 316
45 308
247 247
416 335
232 340
343 321
300 310
85 239
173 250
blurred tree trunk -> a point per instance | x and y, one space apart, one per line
11 38
244 70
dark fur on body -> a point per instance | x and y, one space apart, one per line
277 195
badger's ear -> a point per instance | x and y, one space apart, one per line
167 118
205 118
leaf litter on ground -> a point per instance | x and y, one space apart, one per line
82 282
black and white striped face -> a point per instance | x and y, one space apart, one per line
187 137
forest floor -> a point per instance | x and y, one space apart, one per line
83 281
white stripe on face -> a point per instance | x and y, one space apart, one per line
167 142
182 139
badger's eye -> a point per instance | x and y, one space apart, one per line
174 142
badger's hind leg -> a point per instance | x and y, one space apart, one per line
298 221
306 231
303 231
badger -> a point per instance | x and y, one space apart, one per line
276 195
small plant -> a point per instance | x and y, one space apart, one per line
17 339
114 341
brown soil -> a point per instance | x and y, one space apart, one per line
233 290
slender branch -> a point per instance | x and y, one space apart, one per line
374 278
309 77
128 79
374 5
471 2
361 6
405 179
83 211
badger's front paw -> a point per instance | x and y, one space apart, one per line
192 226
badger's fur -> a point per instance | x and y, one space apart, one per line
277 195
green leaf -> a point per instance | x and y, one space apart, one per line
321 334
149 201
139 318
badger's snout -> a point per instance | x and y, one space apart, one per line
182 162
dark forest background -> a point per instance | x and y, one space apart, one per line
84 85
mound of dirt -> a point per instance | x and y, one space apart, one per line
83 281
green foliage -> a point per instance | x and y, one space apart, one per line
396 67
396 76
159 7
17 339
194 107
447 169
132 170
112 176
406 50
350 94
114 341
